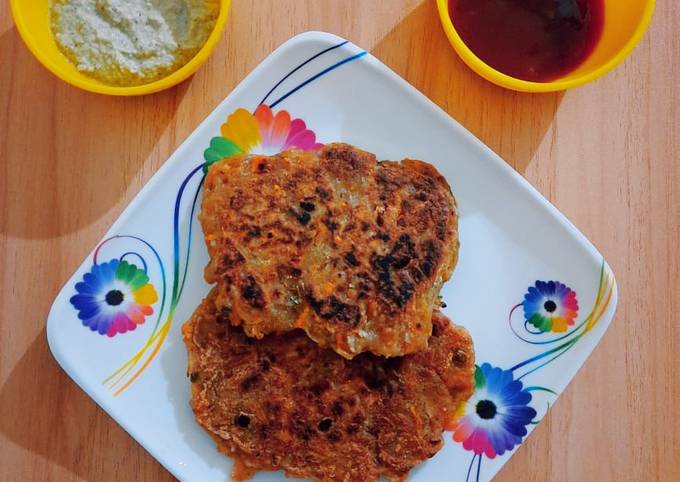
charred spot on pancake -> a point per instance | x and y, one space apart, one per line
303 217
262 166
416 274
431 256
351 259
287 273
380 220
381 263
231 259
404 249
253 232
242 420
329 223
406 289
330 308
398 292
325 425
252 293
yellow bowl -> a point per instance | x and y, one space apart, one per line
32 18
625 22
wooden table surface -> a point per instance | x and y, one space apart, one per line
607 155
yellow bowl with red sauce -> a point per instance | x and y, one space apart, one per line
624 24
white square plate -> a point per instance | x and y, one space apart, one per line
529 286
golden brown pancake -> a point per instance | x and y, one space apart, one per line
350 249
284 403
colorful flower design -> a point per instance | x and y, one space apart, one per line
550 306
114 297
495 418
261 133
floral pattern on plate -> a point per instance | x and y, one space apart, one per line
114 297
262 132
550 306
495 418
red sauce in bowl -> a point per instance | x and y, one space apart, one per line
535 40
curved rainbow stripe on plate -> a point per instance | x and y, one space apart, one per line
261 132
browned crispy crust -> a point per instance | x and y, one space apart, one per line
352 250
284 403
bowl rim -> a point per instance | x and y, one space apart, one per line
93 85
504 80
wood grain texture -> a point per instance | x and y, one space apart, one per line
607 155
